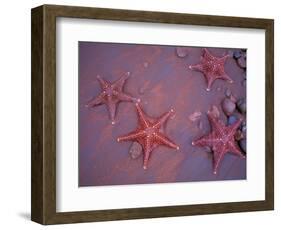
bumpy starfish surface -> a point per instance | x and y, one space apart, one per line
221 140
212 68
148 133
111 95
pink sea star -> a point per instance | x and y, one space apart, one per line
221 140
212 68
111 95
148 134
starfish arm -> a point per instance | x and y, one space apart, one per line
223 59
111 106
163 119
233 128
147 151
204 141
197 67
95 101
165 141
104 84
125 97
120 82
207 55
226 77
131 136
142 117
233 148
217 158
210 81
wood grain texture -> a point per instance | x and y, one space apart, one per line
44 114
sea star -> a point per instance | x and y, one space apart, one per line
148 133
111 95
221 140
212 68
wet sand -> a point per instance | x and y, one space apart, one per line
162 80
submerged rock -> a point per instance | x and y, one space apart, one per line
200 125
228 92
135 150
239 135
241 105
182 51
242 62
243 145
237 54
244 128
195 116
208 149
215 111
228 106
231 120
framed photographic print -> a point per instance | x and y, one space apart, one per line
141 114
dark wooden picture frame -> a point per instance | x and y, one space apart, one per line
43 202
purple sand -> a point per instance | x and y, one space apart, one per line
166 83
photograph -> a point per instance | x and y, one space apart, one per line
152 113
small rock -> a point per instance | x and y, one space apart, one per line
194 116
237 54
230 53
219 89
181 52
141 90
231 120
228 106
200 125
135 150
238 135
244 128
215 111
232 98
243 145
228 92
208 149
241 104
242 63
145 64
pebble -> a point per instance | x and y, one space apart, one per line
182 52
242 144
208 149
241 104
141 90
242 62
228 106
145 64
244 128
228 92
215 111
239 135
231 120
237 54
195 116
200 125
135 150
232 98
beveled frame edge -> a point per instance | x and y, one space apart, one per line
43 157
